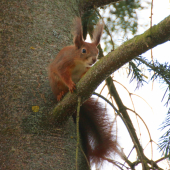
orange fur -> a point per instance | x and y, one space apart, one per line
71 63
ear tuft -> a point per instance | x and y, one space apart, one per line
97 33
78 32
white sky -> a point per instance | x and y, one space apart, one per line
155 116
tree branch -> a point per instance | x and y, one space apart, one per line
154 36
113 92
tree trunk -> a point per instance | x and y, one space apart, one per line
32 33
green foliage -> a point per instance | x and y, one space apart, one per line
126 16
121 18
164 142
136 74
162 73
89 20
159 71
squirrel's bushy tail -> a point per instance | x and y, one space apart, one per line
95 129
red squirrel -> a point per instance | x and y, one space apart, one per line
71 63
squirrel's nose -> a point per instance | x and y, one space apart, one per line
94 60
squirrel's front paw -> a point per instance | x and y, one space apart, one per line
72 87
59 97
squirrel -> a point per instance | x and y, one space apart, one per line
71 63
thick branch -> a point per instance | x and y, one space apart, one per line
156 35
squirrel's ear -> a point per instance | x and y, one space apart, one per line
78 33
97 34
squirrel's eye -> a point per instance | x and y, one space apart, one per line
83 50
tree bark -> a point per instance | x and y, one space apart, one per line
32 33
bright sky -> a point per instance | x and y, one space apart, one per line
155 116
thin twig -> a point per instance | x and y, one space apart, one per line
77 125
85 157
151 48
